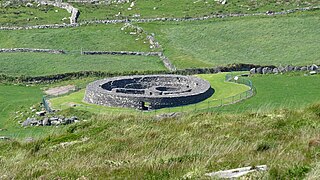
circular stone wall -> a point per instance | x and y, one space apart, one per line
148 92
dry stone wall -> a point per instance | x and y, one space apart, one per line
13 50
72 10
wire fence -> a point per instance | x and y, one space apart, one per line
206 105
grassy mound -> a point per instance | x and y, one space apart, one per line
266 40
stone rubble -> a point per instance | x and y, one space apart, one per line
50 121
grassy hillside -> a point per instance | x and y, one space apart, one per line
288 91
266 40
94 38
184 8
40 64
133 146
18 14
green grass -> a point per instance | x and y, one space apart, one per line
275 40
222 90
122 147
185 8
40 64
86 38
20 15
288 91
14 98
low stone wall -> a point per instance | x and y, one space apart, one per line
132 53
72 10
283 69
48 26
13 50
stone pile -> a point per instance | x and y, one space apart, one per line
275 70
12 50
50 121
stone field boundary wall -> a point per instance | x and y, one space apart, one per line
14 50
76 14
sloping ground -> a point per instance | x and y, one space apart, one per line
290 39
86 38
184 8
288 91
126 147
37 64
15 101
18 14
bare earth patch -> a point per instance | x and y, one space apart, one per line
60 90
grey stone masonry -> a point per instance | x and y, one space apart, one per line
12 50
148 92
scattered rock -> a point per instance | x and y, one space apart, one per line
253 71
41 113
4 138
52 121
168 115
29 139
275 71
313 72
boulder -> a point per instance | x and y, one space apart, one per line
313 72
265 70
314 67
296 68
275 71
281 69
259 70
46 122
253 71
303 68
41 113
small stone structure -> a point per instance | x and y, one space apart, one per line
148 92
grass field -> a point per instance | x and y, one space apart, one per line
20 15
275 40
122 147
90 38
288 91
14 98
222 90
40 64
184 8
